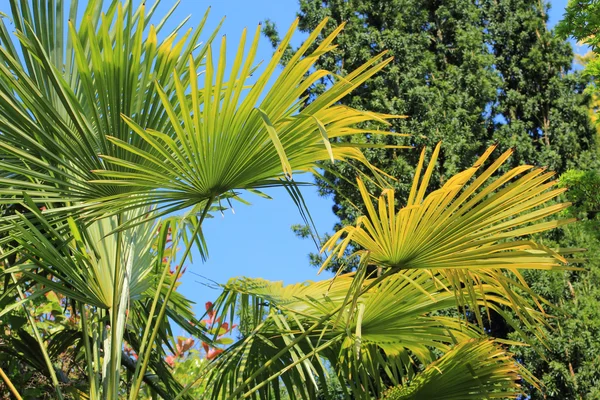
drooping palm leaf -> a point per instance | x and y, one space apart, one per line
288 330
87 264
82 265
474 369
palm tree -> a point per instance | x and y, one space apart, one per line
116 145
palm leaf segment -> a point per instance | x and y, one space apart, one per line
84 266
89 270
294 335
66 87
474 369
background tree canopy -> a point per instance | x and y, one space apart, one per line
471 74
467 74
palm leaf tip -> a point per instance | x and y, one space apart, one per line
469 223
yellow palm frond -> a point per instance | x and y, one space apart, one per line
471 232
465 224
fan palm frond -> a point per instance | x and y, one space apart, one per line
229 139
294 332
471 232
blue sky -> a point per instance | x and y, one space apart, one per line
256 241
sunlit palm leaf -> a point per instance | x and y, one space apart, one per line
88 263
392 329
473 231
230 138
82 264
73 86
465 223
474 369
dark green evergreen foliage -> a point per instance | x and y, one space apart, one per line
540 109
470 74
570 370
441 78
570 367
467 73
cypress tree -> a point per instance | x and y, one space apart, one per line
540 109
442 78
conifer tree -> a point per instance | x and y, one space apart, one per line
442 78
466 73
540 109
469 74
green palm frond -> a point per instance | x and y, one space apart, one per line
82 258
66 87
123 119
471 232
465 223
98 268
229 139
474 369
84 267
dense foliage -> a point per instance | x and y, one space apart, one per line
117 141
471 74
